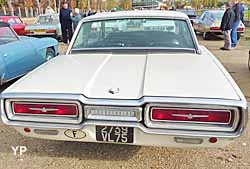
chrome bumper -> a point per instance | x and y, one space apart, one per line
142 136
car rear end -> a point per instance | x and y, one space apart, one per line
15 22
41 30
172 122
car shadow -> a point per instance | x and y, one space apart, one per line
49 148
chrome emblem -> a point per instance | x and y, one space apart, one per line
190 116
114 90
44 110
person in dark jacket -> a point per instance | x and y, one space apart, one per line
66 22
227 25
237 11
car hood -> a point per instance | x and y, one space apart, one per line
129 76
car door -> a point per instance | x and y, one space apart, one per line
17 56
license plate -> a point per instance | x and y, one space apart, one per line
115 134
39 31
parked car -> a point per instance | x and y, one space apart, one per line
16 23
46 25
209 24
132 85
20 54
190 13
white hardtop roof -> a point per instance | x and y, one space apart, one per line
49 14
138 13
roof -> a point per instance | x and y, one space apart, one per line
215 11
3 24
137 13
49 14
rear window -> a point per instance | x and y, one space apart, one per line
134 33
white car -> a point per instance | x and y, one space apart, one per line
209 24
134 84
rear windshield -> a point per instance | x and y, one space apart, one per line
134 33
48 19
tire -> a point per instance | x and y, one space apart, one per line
50 53
206 35
249 61
238 36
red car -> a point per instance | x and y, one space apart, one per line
15 22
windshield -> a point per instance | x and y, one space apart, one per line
13 21
134 33
6 35
217 16
48 19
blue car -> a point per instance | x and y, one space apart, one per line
20 54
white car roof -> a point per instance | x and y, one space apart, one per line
138 13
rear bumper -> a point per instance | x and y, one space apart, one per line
42 35
142 136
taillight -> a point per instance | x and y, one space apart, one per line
215 28
190 115
28 32
51 31
58 109
240 29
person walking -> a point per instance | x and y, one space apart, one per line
227 25
237 11
76 17
66 22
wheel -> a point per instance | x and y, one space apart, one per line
50 53
206 35
238 36
249 61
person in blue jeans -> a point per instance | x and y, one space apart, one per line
237 11
243 8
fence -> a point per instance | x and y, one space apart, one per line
22 12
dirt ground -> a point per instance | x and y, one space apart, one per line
43 154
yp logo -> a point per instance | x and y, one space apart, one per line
19 150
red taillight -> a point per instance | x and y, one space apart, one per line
28 32
190 115
240 29
215 28
51 31
45 109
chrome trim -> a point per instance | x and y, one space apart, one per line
182 115
137 116
66 119
241 104
43 109
198 126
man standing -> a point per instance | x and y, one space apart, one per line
66 22
237 11
227 25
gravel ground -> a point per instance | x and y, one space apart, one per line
43 154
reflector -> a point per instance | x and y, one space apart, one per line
215 28
192 115
45 109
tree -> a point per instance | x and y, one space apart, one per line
195 3
111 4
2 3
